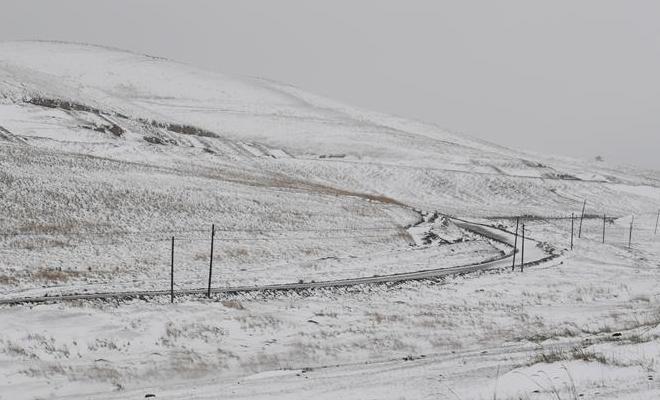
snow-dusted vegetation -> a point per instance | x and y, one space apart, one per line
106 155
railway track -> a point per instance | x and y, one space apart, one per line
535 256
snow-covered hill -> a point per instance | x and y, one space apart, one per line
106 154
129 107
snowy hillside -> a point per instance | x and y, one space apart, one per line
105 155
165 111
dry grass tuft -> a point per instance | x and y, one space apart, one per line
8 280
559 354
54 275
235 304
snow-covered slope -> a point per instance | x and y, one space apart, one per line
277 128
105 152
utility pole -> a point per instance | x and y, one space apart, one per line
572 228
515 245
208 294
630 235
522 254
172 274
604 219
584 205
656 223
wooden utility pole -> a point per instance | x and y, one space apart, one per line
604 219
584 205
656 223
522 253
172 274
630 234
208 294
572 228
515 245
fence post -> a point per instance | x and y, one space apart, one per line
515 245
584 205
522 253
604 219
630 234
208 294
572 228
172 274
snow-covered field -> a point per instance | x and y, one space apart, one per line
586 322
105 155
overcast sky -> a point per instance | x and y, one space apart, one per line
573 77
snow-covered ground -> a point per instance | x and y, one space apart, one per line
105 155
587 322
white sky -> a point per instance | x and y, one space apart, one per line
572 77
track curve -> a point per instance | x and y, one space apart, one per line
535 254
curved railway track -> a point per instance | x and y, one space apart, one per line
535 255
